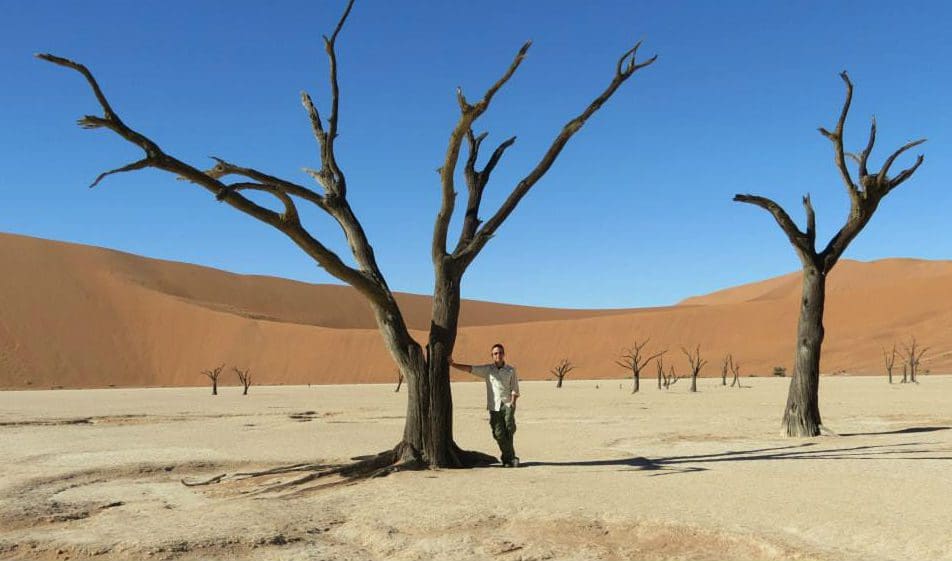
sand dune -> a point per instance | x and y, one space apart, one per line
79 316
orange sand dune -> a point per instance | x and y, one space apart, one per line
79 316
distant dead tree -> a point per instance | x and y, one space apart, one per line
399 380
696 364
427 438
213 375
659 364
244 376
889 359
913 357
633 361
671 378
725 368
560 370
735 370
802 413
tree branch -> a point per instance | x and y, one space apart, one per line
627 65
836 138
143 163
801 241
468 114
476 182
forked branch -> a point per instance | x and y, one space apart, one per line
627 65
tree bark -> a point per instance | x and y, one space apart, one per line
637 380
801 417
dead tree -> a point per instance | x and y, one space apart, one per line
735 370
244 376
427 439
213 375
633 361
560 370
913 357
889 360
672 377
696 363
662 379
399 381
802 413
725 368
905 373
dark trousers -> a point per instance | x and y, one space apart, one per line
503 424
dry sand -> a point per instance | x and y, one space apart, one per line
608 475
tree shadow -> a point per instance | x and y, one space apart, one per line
910 430
804 451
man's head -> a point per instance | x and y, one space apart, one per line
499 355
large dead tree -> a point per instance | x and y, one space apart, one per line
633 361
428 433
696 363
912 354
213 375
801 416
561 370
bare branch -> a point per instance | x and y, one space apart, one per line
290 213
468 114
801 241
624 69
864 156
476 181
143 163
811 220
836 138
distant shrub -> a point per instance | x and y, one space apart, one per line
779 371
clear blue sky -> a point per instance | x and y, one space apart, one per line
637 211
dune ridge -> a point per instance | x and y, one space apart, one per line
81 316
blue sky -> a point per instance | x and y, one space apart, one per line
636 212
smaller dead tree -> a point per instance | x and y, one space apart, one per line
662 379
725 368
735 370
889 360
913 357
671 378
633 360
399 381
244 376
560 370
696 363
213 375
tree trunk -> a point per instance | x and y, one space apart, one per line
559 383
637 382
246 391
214 387
659 379
694 382
802 414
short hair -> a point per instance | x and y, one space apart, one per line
501 348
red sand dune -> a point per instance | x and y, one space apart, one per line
80 316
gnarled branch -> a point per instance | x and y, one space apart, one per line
468 114
801 241
627 65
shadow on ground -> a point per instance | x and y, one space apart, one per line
804 451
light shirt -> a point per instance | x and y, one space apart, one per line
501 383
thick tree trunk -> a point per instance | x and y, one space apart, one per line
802 414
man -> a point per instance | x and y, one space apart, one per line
502 391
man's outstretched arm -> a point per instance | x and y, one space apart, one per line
463 367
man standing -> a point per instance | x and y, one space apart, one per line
502 391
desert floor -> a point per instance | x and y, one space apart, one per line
607 475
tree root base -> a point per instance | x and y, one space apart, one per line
403 457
